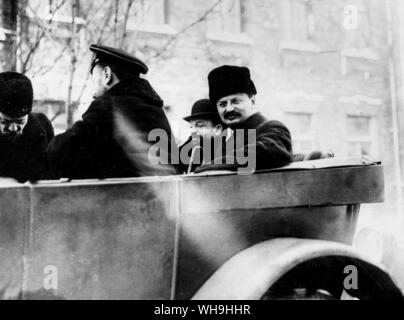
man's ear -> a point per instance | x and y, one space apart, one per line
108 75
253 100
219 127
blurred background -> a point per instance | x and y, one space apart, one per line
331 70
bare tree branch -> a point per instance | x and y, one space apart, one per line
44 70
57 114
125 22
40 35
174 38
116 22
69 109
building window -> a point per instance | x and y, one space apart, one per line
301 126
298 20
227 17
58 11
362 135
150 12
58 8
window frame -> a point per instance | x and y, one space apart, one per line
299 138
163 27
239 36
55 17
371 137
291 42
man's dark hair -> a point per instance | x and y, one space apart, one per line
250 95
122 73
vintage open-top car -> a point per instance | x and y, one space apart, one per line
216 235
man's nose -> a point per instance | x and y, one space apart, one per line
229 107
14 128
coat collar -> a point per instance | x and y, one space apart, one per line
136 87
32 134
34 128
253 122
101 108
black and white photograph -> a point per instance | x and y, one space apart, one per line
201 155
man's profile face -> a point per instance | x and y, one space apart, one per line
206 128
12 127
99 81
236 109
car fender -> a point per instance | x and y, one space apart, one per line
250 274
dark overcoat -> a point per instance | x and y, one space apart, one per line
272 147
24 158
195 151
111 141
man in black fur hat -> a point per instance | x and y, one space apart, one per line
233 93
24 136
112 139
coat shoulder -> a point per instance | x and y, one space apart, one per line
274 127
45 124
144 114
273 124
66 141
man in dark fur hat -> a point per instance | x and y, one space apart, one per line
24 136
233 93
112 139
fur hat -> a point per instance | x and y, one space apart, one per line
228 80
16 94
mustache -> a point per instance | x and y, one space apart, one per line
231 114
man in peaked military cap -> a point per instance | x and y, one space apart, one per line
24 135
206 124
233 92
111 141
